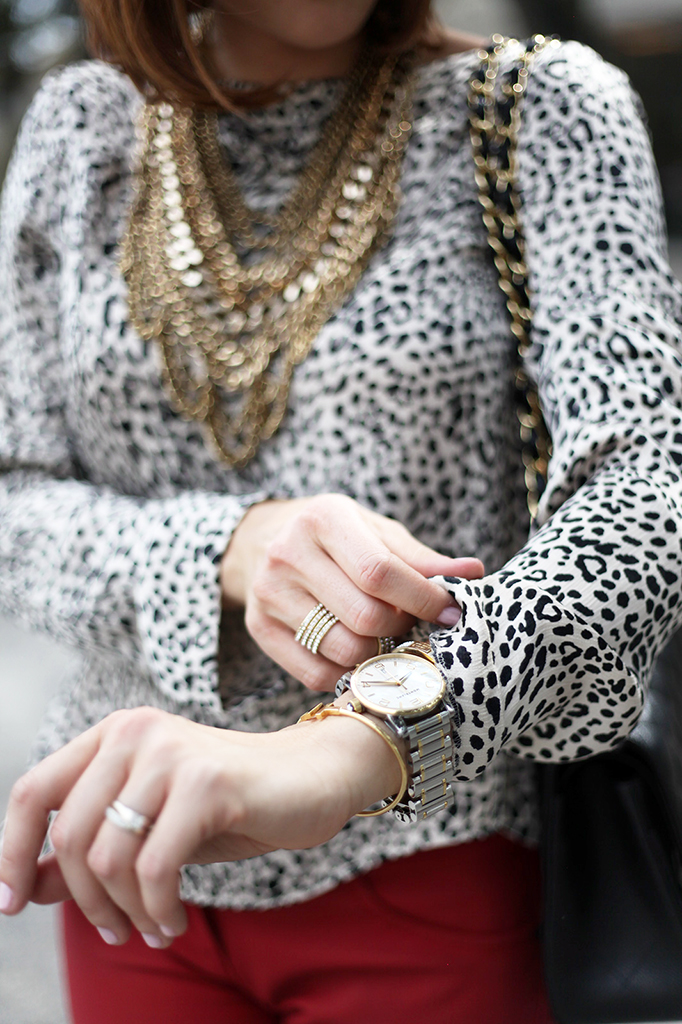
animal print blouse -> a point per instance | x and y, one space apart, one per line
114 511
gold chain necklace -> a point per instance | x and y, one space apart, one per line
236 297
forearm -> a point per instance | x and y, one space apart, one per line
552 657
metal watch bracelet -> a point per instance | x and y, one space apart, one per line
430 760
430 763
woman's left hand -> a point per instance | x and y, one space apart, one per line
213 795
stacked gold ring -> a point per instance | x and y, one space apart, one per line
315 627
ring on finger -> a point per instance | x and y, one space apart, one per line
386 644
315 627
125 818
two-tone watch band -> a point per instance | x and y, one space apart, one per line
430 751
431 765
430 755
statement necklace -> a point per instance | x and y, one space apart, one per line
235 297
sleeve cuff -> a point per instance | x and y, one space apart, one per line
180 543
527 675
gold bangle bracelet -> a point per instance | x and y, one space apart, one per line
321 711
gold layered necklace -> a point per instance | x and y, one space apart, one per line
235 297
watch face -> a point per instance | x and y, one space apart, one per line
398 684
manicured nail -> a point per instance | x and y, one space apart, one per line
450 616
170 933
153 941
111 938
6 897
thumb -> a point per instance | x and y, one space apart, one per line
49 886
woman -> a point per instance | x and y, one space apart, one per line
328 490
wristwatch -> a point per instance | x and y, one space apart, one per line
406 690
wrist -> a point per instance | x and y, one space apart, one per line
363 759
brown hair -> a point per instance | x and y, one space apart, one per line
153 42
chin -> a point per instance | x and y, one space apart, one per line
306 24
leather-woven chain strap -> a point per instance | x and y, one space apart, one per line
494 119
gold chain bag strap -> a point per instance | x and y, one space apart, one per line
495 112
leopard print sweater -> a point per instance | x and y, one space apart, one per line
114 510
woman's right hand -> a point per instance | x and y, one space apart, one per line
286 556
212 794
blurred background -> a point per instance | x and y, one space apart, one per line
643 38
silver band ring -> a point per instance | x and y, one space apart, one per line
386 644
315 627
127 819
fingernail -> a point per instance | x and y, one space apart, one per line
450 616
170 933
6 897
111 938
153 941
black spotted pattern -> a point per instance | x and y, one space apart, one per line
114 511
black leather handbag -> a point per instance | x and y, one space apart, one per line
612 869
612 825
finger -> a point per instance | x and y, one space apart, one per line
73 833
178 832
361 617
380 573
363 613
423 558
290 575
464 568
345 649
33 797
274 638
337 643
82 812
115 851
50 886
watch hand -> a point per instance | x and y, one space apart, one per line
384 682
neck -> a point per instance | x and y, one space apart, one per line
242 53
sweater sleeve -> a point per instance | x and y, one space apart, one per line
553 652
95 568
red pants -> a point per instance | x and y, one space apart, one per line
444 937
